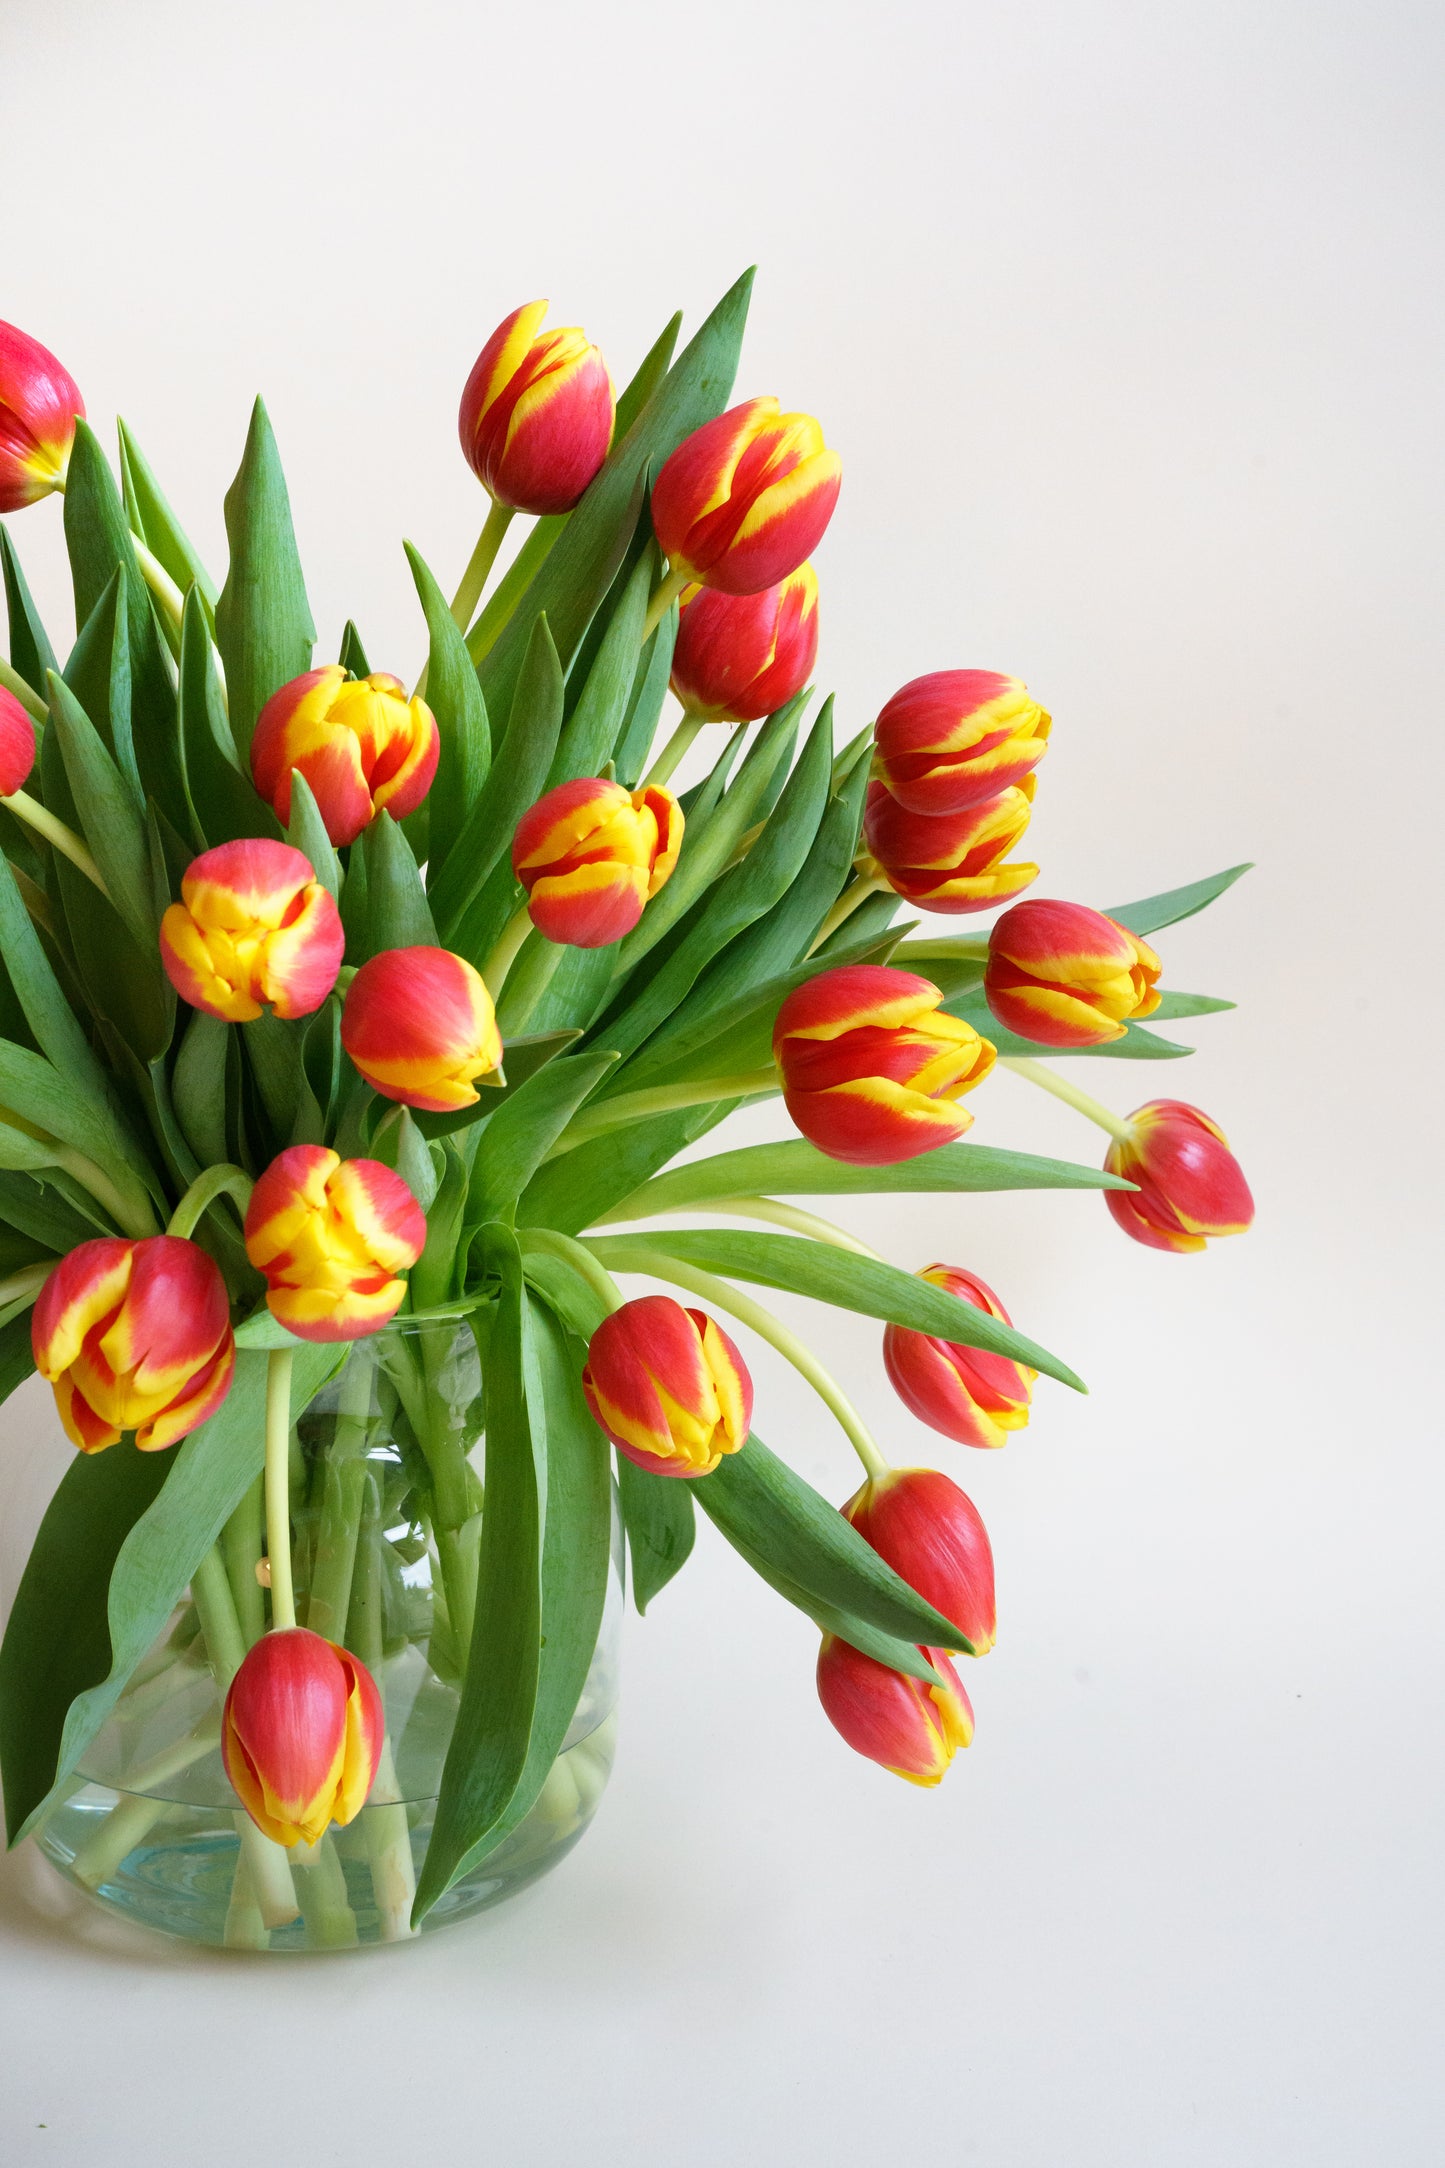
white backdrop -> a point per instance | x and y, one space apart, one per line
1123 318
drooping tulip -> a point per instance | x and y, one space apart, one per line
912 1729
967 1393
590 854
330 1236
1064 975
134 1335
537 413
745 499
362 745
301 1735
17 744
419 1025
254 929
951 862
930 1532
40 405
1191 1187
740 657
668 1386
957 738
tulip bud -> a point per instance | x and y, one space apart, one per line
911 1728
17 744
590 854
363 747
740 657
668 1386
872 1070
330 1235
745 499
134 1336
956 738
419 1025
39 408
537 413
254 928
1067 976
967 1393
950 862
1190 1186
301 1735
922 1525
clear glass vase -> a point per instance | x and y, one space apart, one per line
387 1498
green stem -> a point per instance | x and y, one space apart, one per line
1080 1101
866 885
673 751
758 1208
545 1242
669 587
28 697
55 832
278 1500
499 963
479 564
241 1549
968 947
662 1099
218 1181
659 1266
526 985
343 1486
131 1211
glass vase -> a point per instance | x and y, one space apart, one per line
387 1500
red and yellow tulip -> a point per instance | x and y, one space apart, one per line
668 1386
362 745
967 1393
17 744
740 657
950 862
254 929
910 1728
330 1236
872 1069
745 499
301 1735
927 1529
590 854
1064 975
134 1336
956 738
537 413
1190 1187
40 405
419 1025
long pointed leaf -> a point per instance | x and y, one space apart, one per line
263 619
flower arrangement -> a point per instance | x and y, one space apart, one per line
342 1025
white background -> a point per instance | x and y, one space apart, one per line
1123 318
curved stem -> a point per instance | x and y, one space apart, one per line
637 1106
29 699
55 832
669 587
278 1500
866 885
504 955
479 564
1080 1101
673 751
758 1208
544 1241
220 1181
659 1266
132 1213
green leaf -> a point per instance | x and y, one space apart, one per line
157 525
273 1057
523 1130
433 1276
521 1058
17 1363
38 1209
31 653
1173 1007
571 1192
649 691
839 1277
1137 1044
111 819
657 1513
397 912
198 1087
306 832
353 654
263 620
455 698
98 673
489 1745
884 1648
592 728
1175 904
58 1033
64 1108
224 804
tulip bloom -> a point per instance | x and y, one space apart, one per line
134 1336
301 1735
950 862
330 1236
590 854
740 657
1190 1185
668 1386
17 745
956 738
745 499
363 747
1068 976
537 413
911 1728
254 928
419 1025
922 1525
39 408
872 1070
967 1393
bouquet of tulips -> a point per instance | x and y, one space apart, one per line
327 1004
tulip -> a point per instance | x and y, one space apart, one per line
911 1728
254 929
590 854
330 1235
134 1336
744 500
922 1525
956 738
668 1386
363 747
39 408
301 1735
419 1025
964 1392
1190 1186
872 1071
740 657
1067 976
17 744
950 862
537 413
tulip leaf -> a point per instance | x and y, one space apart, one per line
198 1087
263 619
17 1363
489 1745
110 817
657 1512
306 833
273 1057
397 912
1174 904
525 1127
225 805
58 1033
884 1648
40 1209
454 696
798 1169
31 653
571 1192
98 673
156 524
1137 1043
839 1277
1174 1007
591 730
